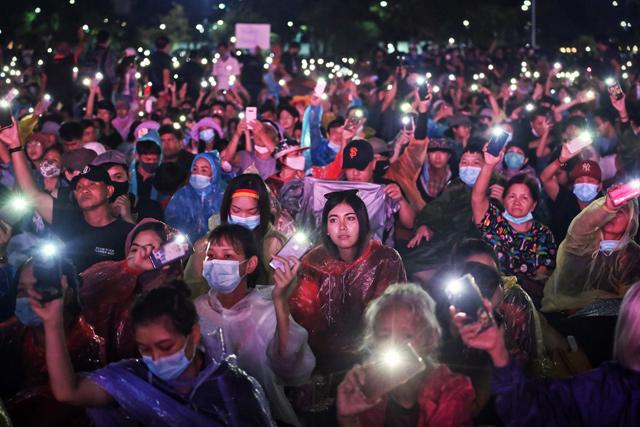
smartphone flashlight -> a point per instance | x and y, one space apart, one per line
420 81
610 81
49 249
405 107
406 120
391 358
389 86
474 87
86 81
529 107
204 84
19 203
47 97
180 238
99 76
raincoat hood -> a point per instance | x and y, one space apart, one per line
216 171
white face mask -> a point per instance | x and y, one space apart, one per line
223 276
296 162
260 149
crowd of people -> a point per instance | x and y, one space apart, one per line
251 238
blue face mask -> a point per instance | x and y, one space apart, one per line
199 182
469 175
608 246
517 220
223 276
585 192
25 313
250 222
514 160
169 367
207 135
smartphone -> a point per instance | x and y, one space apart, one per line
390 368
408 124
615 90
578 143
250 115
296 247
170 252
321 85
463 293
625 192
47 271
354 120
423 90
5 117
499 138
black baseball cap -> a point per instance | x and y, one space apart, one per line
92 173
357 155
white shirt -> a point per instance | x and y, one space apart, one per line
249 332
223 69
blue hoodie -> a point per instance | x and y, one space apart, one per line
189 209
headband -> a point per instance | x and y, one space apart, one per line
245 192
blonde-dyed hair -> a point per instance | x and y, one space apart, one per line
407 295
626 343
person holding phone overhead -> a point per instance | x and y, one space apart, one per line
525 248
339 278
253 321
403 315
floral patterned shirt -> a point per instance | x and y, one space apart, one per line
519 253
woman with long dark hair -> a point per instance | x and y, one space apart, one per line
339 278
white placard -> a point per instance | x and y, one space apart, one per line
248 36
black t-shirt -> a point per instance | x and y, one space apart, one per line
86 245
563 210
159 61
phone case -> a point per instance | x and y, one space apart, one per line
293 248
496 142
625 192
465 296
321 85
168 253
579 142
384 373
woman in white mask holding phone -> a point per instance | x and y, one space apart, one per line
253 322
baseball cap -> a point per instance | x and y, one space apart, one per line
459 120
77 159
587 168
440 144
110 157
357 155
486 112
92 173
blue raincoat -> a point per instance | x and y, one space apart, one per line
189 209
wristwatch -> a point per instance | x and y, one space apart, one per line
15 149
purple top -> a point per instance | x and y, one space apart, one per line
607 396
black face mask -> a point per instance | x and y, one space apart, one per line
149 167
119 188
381 168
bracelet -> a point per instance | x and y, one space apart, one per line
15 149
